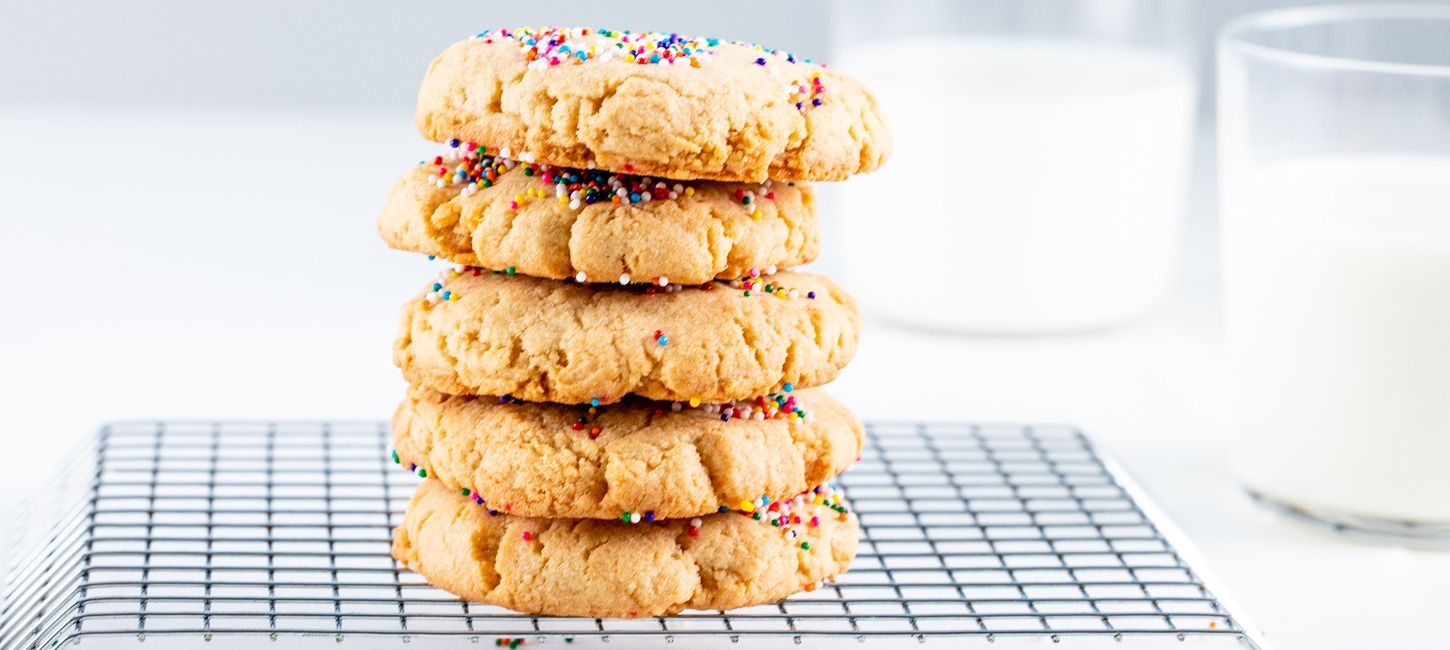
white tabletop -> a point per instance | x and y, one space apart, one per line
224 265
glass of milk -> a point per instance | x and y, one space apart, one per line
1041 156
1335 171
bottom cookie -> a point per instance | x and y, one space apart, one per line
615 569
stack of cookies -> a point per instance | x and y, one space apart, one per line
613 395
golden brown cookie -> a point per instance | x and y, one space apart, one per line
490 333
653 104
473 208
593 568
637 457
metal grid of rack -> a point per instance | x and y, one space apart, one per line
278 529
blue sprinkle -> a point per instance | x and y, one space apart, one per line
446 294
437 286
724 509
760 61
594 402
811 295
788 387
816 102
799 105
664 339
454 143
654 59
583 56
432 257
649 516
634 197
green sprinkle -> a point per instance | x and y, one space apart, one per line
422 473
775 522
528 171
509 270
624 517
756 516
806 546
487 183
395 458
466 492
747 293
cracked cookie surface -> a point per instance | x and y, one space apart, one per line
550 460
706 230
593 568
653 104
487 333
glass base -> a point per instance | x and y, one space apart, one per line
1391 532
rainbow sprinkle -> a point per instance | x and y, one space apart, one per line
469 164
754 283
547 47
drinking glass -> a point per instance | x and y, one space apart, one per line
1041 157
1335 168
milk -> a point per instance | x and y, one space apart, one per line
1337 290
1036 185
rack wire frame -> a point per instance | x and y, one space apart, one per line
271 529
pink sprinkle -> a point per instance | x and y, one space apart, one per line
528 536
815 521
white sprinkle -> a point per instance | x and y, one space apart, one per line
505 152
634 517
645 198
442 182
676 406
695 523
770 270
590 165
624 278
663 281
574 204
674 195
580 277
794 294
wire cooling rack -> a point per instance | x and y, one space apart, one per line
179 531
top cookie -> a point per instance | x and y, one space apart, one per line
653 104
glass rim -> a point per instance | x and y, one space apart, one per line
1233 36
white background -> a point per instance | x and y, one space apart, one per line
186 201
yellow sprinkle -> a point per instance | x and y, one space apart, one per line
563 200
694 402
518 197
454 273
756 215
689 191
748 506
453 296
